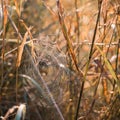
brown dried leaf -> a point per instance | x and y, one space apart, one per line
20 49
30 34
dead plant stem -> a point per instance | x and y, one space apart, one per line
90 56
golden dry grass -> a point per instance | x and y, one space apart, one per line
66 66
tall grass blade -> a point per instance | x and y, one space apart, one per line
37 85
110 68
66 36
90 56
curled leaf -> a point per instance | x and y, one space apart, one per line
21 112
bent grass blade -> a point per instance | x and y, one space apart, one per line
110 68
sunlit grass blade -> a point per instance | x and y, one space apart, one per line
21 112
110 68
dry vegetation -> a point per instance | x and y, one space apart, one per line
60 60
